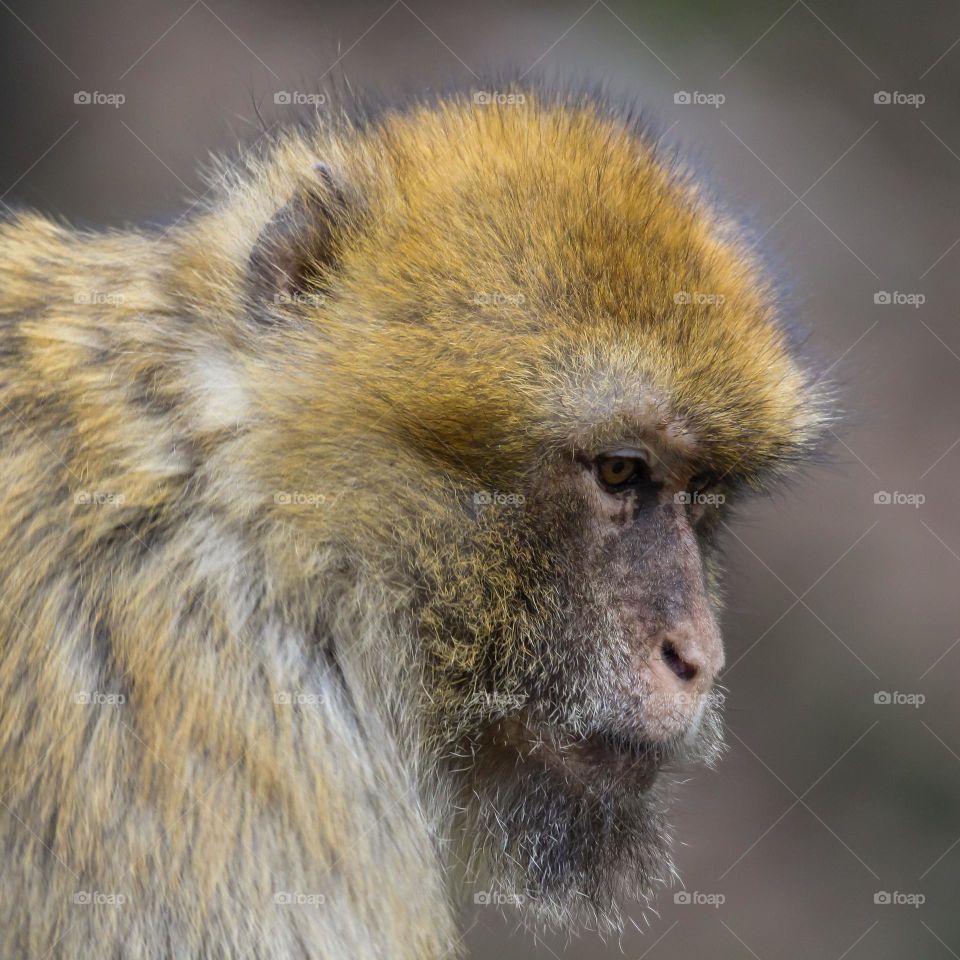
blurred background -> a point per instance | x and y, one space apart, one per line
832 829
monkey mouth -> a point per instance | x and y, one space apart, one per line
608 756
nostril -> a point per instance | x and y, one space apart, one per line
681 668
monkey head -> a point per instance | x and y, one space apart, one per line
536 369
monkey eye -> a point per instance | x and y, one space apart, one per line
622 470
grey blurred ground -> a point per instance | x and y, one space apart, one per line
826 797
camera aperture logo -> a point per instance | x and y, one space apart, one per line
495 898
897 98
486 98
301 299
896 498
494 498
688 297
698 98
96 698
895 898
698 498
296 498
97 898
86 98
897 298
298 699
293 898
498 299
98 498
98 298
894 698
296 98
696 898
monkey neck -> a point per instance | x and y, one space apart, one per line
255 657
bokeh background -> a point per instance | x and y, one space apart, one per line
827 798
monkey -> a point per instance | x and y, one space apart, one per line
363 534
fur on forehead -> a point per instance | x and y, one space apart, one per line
707 405
597 406
519 275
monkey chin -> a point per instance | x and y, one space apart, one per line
571 826
584 762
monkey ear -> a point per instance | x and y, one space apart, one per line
299 247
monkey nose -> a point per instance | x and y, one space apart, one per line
688 656
683 670
679 671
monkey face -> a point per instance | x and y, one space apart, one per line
540 367
573 659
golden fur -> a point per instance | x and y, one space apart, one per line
206 515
